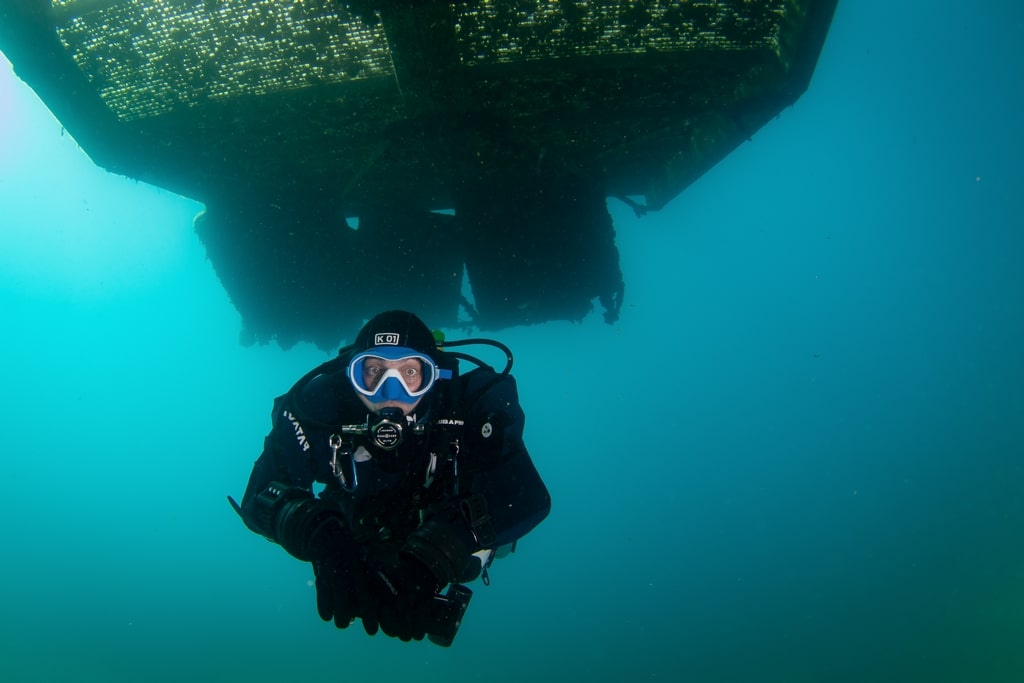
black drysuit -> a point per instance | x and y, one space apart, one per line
461 463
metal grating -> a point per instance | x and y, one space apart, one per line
145 59
493 31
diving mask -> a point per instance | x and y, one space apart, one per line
394 373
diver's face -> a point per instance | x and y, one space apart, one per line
408 370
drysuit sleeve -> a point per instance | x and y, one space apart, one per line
504 482
287 459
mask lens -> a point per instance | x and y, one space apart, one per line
408 371
394 374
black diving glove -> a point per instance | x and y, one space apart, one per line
314 531
403 591
340 579
404 581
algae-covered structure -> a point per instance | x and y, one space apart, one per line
453 158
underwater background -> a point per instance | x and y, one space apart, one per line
798 455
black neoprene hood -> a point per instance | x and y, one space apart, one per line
397 328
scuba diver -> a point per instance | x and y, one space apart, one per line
396 476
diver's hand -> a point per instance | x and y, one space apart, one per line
340 580
336 594
403 590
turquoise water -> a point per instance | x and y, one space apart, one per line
798 456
